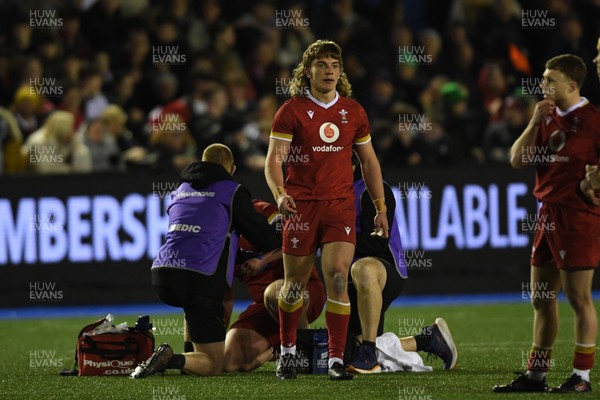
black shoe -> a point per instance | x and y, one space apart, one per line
366 362
522 384
286 366
156 363
337 372
442 345
573 385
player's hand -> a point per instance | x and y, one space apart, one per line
251 267
542 110
592 176
286 204
381 226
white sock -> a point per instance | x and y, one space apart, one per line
584 374
334 360
537 376
288 350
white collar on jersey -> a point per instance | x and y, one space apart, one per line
325 106
581 103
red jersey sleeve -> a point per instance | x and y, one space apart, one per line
363 130
284 123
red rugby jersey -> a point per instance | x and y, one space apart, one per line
318 165
566 142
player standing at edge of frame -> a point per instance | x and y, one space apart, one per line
591 184
566 127
323 125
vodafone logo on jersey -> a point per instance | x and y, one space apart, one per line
329 132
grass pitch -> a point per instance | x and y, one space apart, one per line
492 341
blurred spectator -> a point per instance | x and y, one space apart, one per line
252 27
294 41
431 46
267 107
172 146
115 119
249 154
187 21
71 68
500 135
94 100
410 78
105 153
210 15
20 41
73 40
101 63
464 126
50 54
222 48
433 144
430 98
165 88
464 70
71 102
167 40
55 149
493 86
262 67
239 92
27 109
123 95
569 39
103 25
382 96
207 128
11 141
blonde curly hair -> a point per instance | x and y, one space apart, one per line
300 83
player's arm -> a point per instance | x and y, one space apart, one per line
590 185
371 172
366 243
252 225
530 134
592 175
278 150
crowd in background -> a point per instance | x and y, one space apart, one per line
112 85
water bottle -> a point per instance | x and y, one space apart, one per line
320 353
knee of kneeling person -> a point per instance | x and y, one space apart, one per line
364 274
270 295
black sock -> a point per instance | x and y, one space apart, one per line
370 345
176 362
188 347
423 342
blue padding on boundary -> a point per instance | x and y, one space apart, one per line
99 311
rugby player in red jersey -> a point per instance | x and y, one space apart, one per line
254 337
591 184
316 131
563 136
